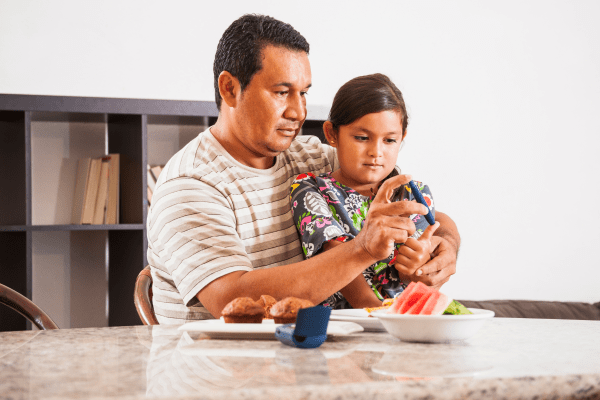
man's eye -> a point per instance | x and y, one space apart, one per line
303 93
282 93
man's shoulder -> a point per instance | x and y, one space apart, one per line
308 146
199 157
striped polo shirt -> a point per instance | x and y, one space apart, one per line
211 215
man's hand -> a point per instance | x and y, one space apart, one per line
388 223
441 267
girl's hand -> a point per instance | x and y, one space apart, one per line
416 252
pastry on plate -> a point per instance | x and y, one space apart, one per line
267 302
286 310
243 310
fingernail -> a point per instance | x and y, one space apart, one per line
419 272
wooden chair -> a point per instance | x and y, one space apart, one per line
21 304
142 297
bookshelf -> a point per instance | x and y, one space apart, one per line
83 275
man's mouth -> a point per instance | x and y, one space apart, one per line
288 131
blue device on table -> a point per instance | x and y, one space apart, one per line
417 193
310 329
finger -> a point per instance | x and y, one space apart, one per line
398 223
404 265
411 246
435 264
438 278
387 189
428 233
406 208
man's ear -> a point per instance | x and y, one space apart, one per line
229 87
330 134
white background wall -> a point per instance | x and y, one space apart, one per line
503 98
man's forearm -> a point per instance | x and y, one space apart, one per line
447 230
334 268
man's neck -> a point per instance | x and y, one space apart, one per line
237 150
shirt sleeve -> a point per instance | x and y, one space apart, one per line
192 229
312 215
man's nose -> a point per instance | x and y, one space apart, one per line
296 108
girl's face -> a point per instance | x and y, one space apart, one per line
367 149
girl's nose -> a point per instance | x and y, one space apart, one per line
375 150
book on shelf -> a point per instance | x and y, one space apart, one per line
112 206
83 170
91 191
102 196
96 196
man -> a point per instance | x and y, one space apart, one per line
220 225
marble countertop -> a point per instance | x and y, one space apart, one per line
507 359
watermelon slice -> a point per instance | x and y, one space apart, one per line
414 296
420 299
429 306
398 301
417 308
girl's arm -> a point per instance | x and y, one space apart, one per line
358 293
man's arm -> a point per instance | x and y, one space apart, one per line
317 278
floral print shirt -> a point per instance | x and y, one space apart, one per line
325 210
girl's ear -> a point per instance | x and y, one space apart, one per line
228 88
329 133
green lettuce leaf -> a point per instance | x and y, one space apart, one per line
455 308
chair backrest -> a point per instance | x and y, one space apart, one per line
142 297
26 308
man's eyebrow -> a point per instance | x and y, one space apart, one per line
289 85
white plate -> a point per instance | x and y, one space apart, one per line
433 328
358 316
218 329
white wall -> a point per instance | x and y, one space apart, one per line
503 99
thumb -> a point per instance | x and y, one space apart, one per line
428 232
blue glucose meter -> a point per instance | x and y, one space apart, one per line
309 331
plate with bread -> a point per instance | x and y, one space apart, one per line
245 318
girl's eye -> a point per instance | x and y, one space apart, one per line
390 140
361 138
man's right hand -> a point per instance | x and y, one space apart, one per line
388 222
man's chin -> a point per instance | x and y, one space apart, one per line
280 146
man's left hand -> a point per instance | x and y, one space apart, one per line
441 267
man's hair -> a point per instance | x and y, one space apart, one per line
240 48
365 95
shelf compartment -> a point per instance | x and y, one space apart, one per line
58 141
127 257
13 161
13 273
127 136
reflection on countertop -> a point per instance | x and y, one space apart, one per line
530 357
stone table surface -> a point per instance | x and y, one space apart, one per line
507 358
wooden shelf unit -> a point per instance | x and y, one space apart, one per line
41 138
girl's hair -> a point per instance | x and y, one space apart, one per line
365 95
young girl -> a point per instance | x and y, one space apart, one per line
367 124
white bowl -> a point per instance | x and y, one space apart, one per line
433 328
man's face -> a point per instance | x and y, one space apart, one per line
272 108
